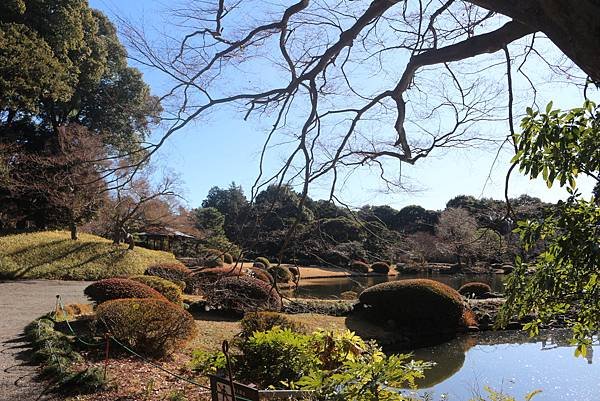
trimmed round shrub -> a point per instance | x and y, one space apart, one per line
118 288
196 282
264 261
169 271
227 258
168 289
260 274
264 321
210 258
359 267
474 289
213 262
259 265
380 267
415 303
281 274
241 294
152 327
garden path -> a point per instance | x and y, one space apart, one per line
20 303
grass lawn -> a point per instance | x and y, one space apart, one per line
53 255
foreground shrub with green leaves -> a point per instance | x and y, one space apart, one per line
337 366
118 288
167 288
415 303
56 354
152 327
264 321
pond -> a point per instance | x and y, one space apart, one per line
511 362
331 288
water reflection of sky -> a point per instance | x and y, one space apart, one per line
514 368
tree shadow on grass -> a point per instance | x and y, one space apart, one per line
49 257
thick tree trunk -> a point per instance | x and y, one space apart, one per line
573 26
73 228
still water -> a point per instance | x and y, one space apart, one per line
331 288
511 362
507 361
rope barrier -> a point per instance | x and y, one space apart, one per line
108 336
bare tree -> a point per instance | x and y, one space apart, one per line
357 83
456 230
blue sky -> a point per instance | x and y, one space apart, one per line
225 148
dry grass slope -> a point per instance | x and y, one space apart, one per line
53 255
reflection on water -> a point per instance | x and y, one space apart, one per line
512 362
330 288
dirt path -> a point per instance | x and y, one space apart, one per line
20 303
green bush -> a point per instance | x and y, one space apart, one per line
259 265
474 289
228 258
54 351
117 288
211 258
168 289
380 267
152 327
281 274
169 271
264 261
359 266
241 294
264 321
416 302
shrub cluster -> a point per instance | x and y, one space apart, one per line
169 271
380 267
152 327
196 282
264 261
117 288
358 266
259 265
416 302
295 271
55 352
264 321
168 289
241 294
474 289
281 274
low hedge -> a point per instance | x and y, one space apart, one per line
264 321
417 303
169 271
241 294
197 281
167 288
152 327
264 261
359 267
117 288
281 274
474 289
60 362
380 267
